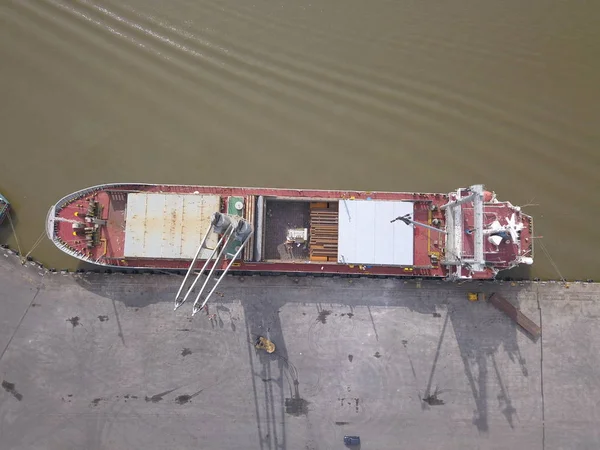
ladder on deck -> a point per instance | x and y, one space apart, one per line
232 229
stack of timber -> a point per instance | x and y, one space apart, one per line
323 231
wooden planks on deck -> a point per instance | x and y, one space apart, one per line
323 242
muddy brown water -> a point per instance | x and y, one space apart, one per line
379 95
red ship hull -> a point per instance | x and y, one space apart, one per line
145 226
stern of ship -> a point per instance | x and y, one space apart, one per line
484 235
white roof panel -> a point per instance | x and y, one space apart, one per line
168 226
366 236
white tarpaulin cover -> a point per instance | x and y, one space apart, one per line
168 225
366 235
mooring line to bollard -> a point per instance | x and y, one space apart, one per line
38 242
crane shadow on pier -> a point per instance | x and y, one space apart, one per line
481 332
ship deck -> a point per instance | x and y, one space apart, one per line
284 209
499 254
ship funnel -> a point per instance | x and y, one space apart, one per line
220 222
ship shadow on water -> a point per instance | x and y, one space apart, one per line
483 337
519 273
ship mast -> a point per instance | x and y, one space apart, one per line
454 227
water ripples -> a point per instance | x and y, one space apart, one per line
452 92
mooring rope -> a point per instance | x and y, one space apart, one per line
552 261
38 242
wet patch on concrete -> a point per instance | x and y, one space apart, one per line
74 321
322 317
155 398
158 397
349 402
96 401
296 406
183 399
11 389
433 399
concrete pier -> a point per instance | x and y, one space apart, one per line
94 361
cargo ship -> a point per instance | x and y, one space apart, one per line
4 207
463 234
